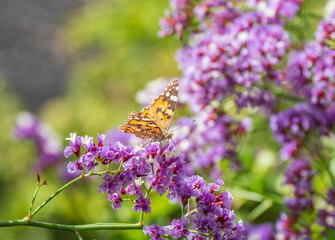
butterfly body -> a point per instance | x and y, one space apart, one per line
154 120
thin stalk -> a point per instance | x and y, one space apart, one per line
60 190
142 213
190 212
260 209
78 235
188 205
326 167
282 94
33 200
56 193
96 226
322 160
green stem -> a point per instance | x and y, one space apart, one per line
204 234
142 213
260 209
33 200
59 191
78 235
280 93
322 160
56 193
327 168
190 212
96 226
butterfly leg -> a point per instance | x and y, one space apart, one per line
146 143
174 143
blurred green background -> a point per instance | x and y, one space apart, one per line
107 50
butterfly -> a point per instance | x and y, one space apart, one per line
154 120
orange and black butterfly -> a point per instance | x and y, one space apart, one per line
154 120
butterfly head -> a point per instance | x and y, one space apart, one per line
164 136
167 134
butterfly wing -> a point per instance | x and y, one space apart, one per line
161 110
141 126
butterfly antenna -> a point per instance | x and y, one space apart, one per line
183 125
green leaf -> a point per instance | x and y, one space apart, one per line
330 233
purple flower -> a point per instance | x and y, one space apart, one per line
88 142
289 150
285 228
103 187
116 199
210 139
154 231
300 175
331 196
47 143
214 187
326 216
73 167
256 97
142 204
176 229
139 165
326 30
263 231
101 139
75 144
176 20
293 125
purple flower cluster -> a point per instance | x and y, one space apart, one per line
299 175
176 20
229 53
277 9
326 216
292 126
326 30
211 215
232 60
285 228
47 142
247 58
161 168
209 139
256 97
176 229
311 74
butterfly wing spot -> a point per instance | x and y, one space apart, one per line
174 98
